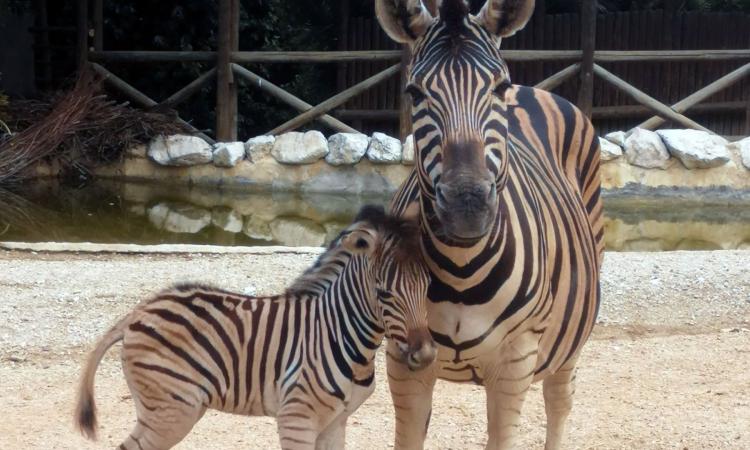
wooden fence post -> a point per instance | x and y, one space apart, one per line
588 45
98 25
226 88
404 119
82 33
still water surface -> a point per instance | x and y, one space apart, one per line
152 214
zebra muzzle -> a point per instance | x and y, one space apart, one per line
419 352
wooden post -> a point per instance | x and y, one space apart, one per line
82 33
226 89
45 58
404 120
747 117
588 44
98 25
343 43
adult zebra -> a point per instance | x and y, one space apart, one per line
506 186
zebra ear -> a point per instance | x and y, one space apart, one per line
504 17
403 20
359 241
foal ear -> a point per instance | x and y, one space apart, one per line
504 17
403 20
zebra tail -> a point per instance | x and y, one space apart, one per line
85 414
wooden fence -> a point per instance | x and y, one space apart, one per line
577 62
666 79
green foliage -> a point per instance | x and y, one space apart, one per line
193 25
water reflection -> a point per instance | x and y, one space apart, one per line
151 214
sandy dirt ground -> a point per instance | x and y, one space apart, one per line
667 368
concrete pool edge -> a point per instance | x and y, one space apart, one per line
89 247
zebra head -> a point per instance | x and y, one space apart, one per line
400 276
458 82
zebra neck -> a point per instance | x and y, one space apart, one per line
349 305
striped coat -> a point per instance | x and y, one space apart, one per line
305 357
506 187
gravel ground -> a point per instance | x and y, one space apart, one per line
668 367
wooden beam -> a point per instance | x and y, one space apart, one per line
337 100
151 57
404 123
98 25
368 114
139 97
280 94
702 94
394 55
188 91
82 33
646 100
226 116
670 55
631 111
588 44
558 78
315 57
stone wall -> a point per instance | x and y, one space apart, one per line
358 164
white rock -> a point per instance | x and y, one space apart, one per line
609 150
384 149
177 218
644 148
300 148
744 147
227 219
695 148
255 228
346 148
228 154
616 137
298 232
259 148
179 150
407 150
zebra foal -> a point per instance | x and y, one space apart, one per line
305 356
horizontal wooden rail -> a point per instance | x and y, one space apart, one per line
266 86
393 55
337 100
669 55
315 57
646 100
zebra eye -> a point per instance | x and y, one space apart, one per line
382 293
416 95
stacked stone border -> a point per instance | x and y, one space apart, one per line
357 163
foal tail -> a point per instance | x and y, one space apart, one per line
85 414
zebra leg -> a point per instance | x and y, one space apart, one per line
334 436
558 391
297 430
506 380
412 399
162 424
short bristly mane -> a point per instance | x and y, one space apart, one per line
403 234
453 13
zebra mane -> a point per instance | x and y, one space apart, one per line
453 13
402 235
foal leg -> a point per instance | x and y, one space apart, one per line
334 436
558 391
163 420
507 379
412 399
